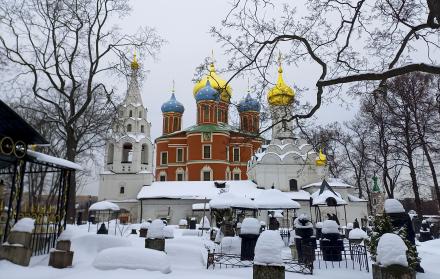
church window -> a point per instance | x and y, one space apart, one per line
165 127
236 154
179 155
130 113
236 176
129 128
227 153
127 153
164 158
284 125
245 123
142 128
206 151
144 154
122 190
163 177
374 201
206 176
293 184
180 177
219 115
140 114
205 113
110 153
175 124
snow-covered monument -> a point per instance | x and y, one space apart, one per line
129 153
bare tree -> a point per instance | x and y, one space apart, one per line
65 49
350 41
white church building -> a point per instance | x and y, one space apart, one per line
128 162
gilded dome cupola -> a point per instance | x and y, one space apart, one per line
216 82
281 94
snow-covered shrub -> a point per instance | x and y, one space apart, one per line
393 206
24 225
391 249
156 229
357 234
330 226
250 226
132 258
268 248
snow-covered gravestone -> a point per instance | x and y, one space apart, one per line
268 263
391 259
156 236
249 232
144 229
305 242
357 235
331 244
18 247
183 224
61 256
425 232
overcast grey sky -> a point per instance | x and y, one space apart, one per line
185 26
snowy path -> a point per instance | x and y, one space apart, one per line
187 261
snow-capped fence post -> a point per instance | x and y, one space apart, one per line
318 229
18 247
156 236
391 259
249 232
331 243
268 263
304 240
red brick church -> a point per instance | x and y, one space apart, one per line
212 149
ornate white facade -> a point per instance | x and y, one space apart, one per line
129 152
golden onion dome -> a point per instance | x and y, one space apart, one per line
281 94
134 64
216 82
321 160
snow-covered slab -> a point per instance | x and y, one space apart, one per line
132 258
275 199
41 157
352 198
393 206
196 189
333 182
300 195
24 225
104 205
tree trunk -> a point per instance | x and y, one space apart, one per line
71 156
412 171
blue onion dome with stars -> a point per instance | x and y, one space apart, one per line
172 105
207 93
249 104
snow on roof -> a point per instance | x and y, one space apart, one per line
53 160
275 199
200 206
300 195
229 200
104 205
196 189
333 182
321 199
352 198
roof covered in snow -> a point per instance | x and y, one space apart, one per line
275 199
58 162
230 200
104 205
333 182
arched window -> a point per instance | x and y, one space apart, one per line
175 124
293 185
127 153
140 114
144 154
180 174
110 153
165 127
129 128
142 128
206 174
205 113
130 113
245 123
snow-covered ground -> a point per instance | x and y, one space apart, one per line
186 254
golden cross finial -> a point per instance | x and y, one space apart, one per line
212 56
279 59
